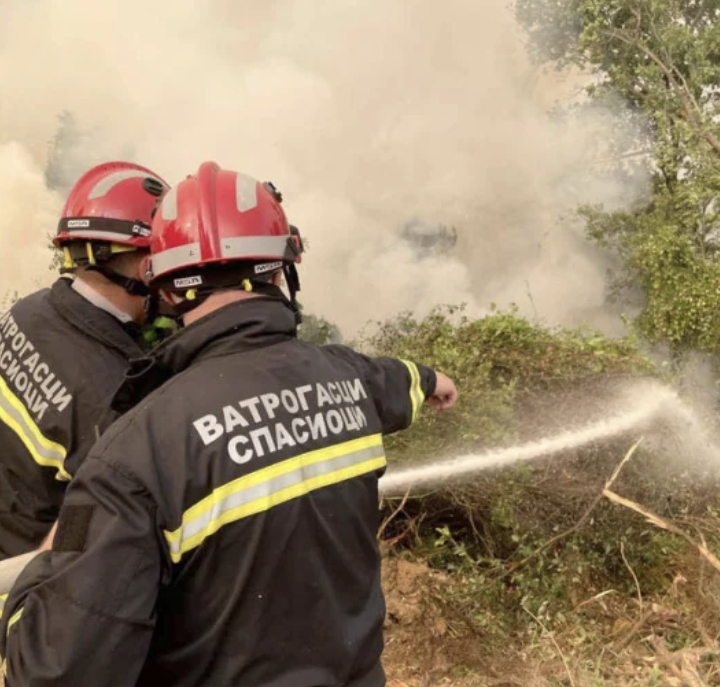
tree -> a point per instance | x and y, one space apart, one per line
318 330
662 57
61 151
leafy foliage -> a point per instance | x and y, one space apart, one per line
7 300
510 539
495 361
318 330
60 169
661 58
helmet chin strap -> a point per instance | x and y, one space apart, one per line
196 297
276 292
293 283
94 257
155 307
134 287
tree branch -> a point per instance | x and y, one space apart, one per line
656 520
583 519
698 16
690 107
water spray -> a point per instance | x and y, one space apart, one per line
637 408
639 405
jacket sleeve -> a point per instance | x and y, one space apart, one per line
398 387
83 613
97 417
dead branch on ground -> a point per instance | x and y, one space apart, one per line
583 519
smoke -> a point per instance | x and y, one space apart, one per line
29 211
366 114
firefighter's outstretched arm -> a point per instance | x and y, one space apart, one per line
83 613
399 387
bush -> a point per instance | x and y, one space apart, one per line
500 363
496 531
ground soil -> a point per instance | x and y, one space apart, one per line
609 642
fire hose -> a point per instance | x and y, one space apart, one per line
11 568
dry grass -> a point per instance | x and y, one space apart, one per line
607 641
669 637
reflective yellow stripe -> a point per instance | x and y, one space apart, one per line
3 597
417 397
261 490
13 619
15 415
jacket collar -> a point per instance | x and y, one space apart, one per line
93 321
240 326
98 300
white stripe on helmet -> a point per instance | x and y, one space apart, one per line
111 180
246 193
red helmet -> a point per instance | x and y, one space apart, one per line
218 217
112 203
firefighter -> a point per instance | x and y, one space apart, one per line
64 350
223 531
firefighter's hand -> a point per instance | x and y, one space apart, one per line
445 392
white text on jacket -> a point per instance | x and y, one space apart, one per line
319 410
22 367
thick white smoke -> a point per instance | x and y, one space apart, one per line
28 213
366 114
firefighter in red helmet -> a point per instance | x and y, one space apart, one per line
223 531
64 350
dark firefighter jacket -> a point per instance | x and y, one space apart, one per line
61 360
223 532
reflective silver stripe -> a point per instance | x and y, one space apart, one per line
106 235
168 209
417 397
104 185
246 193
255 247
416 389
276 484
174 258
272 247
16 416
